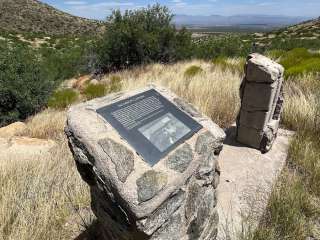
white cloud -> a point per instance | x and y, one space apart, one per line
98 10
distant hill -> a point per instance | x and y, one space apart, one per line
307 30
32 16
256 21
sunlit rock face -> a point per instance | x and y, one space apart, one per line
173 198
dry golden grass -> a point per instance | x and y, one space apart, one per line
47 124
214 91
40 195
301 107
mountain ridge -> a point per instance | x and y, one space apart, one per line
33 16
239 19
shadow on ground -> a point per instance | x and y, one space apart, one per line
231 137
91 232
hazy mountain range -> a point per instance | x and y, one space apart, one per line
236 20
33 16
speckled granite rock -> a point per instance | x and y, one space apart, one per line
173 199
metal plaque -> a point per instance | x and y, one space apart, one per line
150 123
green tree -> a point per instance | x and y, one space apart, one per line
142 36
24 86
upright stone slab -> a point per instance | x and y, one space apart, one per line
150 159
261 95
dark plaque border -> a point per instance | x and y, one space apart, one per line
149 152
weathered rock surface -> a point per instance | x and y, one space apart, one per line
261 95
180 159
24 148
149 184
261 69
14 129
121 157
173 199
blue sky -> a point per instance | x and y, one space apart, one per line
99 9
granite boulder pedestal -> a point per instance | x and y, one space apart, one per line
150 159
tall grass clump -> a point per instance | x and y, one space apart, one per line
94 90
287 213
230 64
115 84
61 99
192 71
275 54
48 124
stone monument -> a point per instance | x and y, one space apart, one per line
261 94
150 159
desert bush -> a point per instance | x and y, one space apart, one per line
69 57
62 98
228 46
94 90
288 44
311 65
24 85
294 57
141 36
192 71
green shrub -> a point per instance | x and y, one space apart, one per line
62 98
294 57
192 71
288 44
221 61
68 59
24 85
95 90
228 46
311 65
142 36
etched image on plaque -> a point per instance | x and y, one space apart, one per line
150 123
164 131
